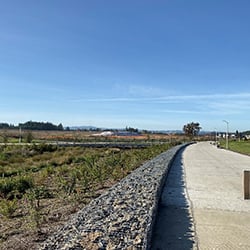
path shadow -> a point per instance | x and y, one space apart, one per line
174 227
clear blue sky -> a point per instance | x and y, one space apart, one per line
145 64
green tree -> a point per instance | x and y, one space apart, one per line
29 137
192 129
30 125
132 130
60 127
5 137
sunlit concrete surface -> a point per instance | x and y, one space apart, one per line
202 205
214 180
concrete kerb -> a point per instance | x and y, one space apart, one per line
159 191
124 216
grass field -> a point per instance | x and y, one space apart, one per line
41 185
75 136
242 146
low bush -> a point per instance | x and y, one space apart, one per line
41 180
41 148
8 207
15 187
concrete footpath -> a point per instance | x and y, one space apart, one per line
202 205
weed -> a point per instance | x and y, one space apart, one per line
12 186
67 184
36 218
35 195
8 207
85 178
41 148
31 175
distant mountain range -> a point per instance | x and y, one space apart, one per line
171 131
83 128
121 129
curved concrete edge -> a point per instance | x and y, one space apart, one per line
173 152
124 216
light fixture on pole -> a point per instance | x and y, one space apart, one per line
226 133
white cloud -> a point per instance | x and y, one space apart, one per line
207 105
180 111
170 98
141 90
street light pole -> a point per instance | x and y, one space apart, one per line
215 130
20 134
226 133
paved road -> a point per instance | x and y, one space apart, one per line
202 205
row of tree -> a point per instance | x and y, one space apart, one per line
30 125
190 129
6 126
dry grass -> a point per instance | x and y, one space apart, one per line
41 186
13 135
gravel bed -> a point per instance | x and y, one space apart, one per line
122 217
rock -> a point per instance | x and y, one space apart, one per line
122 217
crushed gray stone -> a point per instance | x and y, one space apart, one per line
122 217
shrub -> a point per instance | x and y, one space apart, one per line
41 148
38 193
6 187
29 137
23 183
8 207
11 187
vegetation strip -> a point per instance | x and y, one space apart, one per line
41 185
121 218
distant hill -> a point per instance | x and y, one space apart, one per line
92 128
32 125
166 131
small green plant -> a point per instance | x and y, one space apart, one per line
85 179
23 183
67 184
9 187
29 137
50 170
41 148
6 187
70 175
8 207
36 218
36 194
